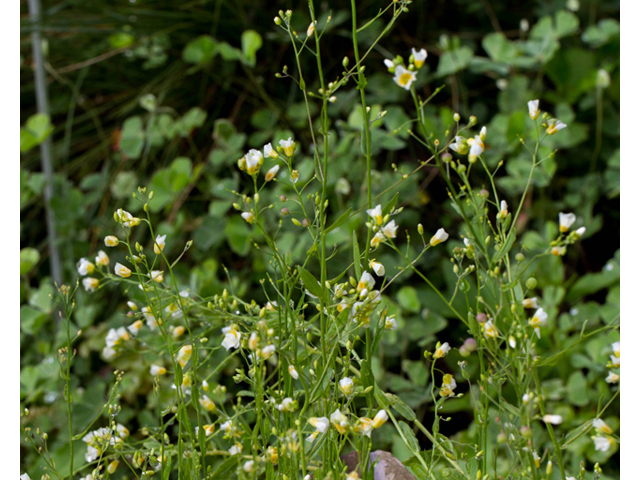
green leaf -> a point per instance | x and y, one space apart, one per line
388 208
200 51
133 136
341 219
124 184
251 42
577 389
31 319
499 48
29 257
567 23
598 35
37 128
238 235
408 299
454 61
409 436
310 283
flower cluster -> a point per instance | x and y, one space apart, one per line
405 76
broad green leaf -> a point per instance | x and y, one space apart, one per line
408 299
29 257
310 283
454 61
238 235
124 183
31 319
577 389
251 42
598 35
499 48
409 436
200 50
132 140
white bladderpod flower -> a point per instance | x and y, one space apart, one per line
339 421
489 330
85 267
121 271
156 370
552 419
460 146
442 350
321 424
288 146
530 302
581 231
366 282
231 338
448 386
102 259
158 247
236 449
389 230
111 241
403 77
538 320
389 64
601 426
612 378
90 284
439 237
554 126
419 57
156 276
254 161
504 209
534 108
293 372
390 323
135 327
346 385
377 267
381 417
603 444
269 151
184 354
248 216
271 173
376 214
476 148
566 220
25 476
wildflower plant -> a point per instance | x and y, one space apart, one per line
304 360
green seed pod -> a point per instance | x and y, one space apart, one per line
531 283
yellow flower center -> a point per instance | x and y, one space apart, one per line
405 78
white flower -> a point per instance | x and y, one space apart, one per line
108 353
121 270
526 398
477 148
207 403
530 302
311 28
115 337
377 238
156 276
339 421
581 231
377 267
288 405
602 444
504 209
92 454
538 320
288 146
236 449
271 173
267 351
248 216
253 160
376 214
389 64
152 323
483 134
552 419
159 245
231 339
419 57
599 425
269 151
489 330
566 220
534 108
612 378
366 282
460 146
616 349
25 476
380 418
90 284
85 267
389 230
390 323
346 385
439 237
111 241
512 341
135 327
442 350
320 423
403 77
554 126
293 372
102 258
248 466
615 361
126 218
184 354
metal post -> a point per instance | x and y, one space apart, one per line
45 147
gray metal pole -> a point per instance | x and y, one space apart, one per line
42 101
